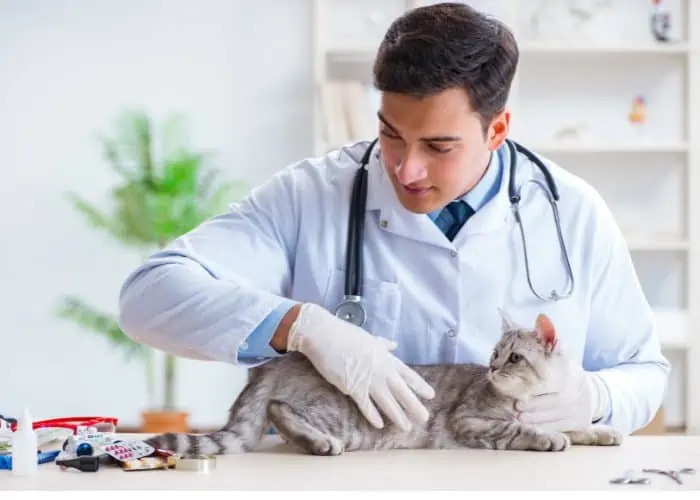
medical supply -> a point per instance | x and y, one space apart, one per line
552 194
84 450
87 442
43 457
7 422
630 478
351 308
148 463
25 447
89 463
196 463
671 473
164 453
128 450
101 424
56 431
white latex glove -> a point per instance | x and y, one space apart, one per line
574 401
361 366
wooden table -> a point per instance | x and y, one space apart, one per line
280 467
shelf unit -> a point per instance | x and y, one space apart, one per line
593 72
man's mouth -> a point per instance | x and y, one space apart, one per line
417 191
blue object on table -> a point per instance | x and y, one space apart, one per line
43 457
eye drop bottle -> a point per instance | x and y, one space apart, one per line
25 447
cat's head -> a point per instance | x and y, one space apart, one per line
524 358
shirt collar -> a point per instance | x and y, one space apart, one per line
484 190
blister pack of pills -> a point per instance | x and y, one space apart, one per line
128 450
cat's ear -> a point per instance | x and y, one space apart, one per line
507 323
545 328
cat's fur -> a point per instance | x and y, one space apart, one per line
473 406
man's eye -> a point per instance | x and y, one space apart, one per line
389 135
514 357
440 149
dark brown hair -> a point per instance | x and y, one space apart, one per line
441 46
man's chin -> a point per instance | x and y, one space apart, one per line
419 204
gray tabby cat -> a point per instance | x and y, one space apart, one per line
473 406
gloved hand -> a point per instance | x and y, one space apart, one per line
574 400
361 366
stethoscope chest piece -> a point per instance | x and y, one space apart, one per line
351 310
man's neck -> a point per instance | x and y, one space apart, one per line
481 176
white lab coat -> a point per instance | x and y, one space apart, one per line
438 299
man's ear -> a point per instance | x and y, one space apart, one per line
498 130
548 333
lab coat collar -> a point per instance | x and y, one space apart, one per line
493 216
393 217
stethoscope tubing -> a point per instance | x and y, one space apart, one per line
352 289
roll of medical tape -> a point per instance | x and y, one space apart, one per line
196 463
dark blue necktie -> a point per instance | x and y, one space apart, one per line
453 217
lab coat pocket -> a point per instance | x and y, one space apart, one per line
381 300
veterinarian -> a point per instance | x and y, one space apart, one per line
417 268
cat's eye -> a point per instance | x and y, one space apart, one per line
514 357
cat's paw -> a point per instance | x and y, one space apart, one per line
328 446
609 437
556 441
605 436
597 435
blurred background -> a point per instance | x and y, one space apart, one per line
96 92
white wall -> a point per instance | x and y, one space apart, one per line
67 67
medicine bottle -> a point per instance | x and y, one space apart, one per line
25 447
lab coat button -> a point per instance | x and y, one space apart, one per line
453 253
451 333
384 223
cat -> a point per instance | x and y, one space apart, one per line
473 406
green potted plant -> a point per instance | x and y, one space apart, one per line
165 190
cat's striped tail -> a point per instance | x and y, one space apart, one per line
245 427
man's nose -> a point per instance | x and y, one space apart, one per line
410 169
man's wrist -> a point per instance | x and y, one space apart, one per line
279 340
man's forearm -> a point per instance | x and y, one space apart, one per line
637 391
168 298
279 339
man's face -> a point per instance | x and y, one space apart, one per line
434 148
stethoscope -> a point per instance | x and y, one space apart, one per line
351 308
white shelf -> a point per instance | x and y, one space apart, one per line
365 55
672 325
658 245
602 50
603 147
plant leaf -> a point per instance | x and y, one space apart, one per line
98 220
89 318
166 190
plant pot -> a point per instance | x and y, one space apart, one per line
156 422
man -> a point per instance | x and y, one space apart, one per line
442 252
